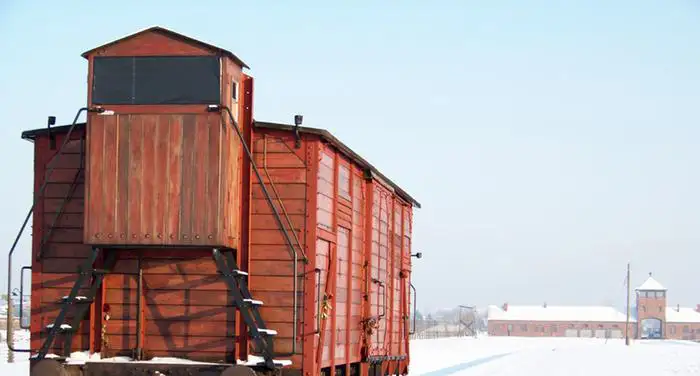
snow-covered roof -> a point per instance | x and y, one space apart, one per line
682 315
651 285
557 313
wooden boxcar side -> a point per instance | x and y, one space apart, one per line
363 252
340 220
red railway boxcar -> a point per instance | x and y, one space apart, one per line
174 230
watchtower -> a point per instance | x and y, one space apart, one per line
162 169
651 309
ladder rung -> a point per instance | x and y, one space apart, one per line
278 362
253 302
64 327
77 299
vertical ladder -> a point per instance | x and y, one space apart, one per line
242 299
76 303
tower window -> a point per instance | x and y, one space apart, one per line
154 80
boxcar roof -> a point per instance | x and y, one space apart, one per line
174 35
324 134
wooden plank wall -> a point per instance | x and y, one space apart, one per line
54 275
284 172
186 306
161 179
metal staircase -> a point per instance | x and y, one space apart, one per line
248 307
79 304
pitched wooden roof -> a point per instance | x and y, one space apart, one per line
174 35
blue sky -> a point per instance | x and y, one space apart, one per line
550 142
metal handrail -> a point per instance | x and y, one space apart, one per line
318 301
295 284
21 298
74 184
268 198
40 194
415 298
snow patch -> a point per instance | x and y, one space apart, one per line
254 360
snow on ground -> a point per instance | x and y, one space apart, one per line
21 365
501 356
506 356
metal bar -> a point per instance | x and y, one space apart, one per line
287 238
268 198
318 299
295 283
279 199
139 316
21 297
40 194
415 298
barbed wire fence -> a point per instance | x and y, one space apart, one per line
463 321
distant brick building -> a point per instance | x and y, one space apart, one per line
650 317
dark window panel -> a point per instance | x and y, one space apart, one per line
156 80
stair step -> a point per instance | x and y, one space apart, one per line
77 299
253 302
239 272
64 327
269 332
255 360
278 363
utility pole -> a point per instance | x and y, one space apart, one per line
11 330
627 323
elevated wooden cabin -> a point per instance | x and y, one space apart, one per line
161 169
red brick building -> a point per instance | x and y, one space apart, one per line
650 317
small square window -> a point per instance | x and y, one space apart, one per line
234 91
